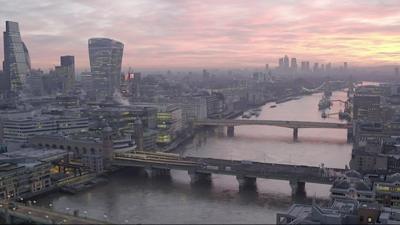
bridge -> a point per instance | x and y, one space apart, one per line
295 125
18 213
245 171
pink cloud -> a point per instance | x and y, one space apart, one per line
224 33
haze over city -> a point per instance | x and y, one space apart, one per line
200 112
215 34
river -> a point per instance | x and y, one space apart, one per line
131 197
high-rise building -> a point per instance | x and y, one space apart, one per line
307 66
303 66
328 67
16 64
281 63
345 65
286 62
293 64
105 63
66 72
396 72
135 85
316 67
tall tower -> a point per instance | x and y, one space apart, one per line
286 62
105 63
107 146
17 63
67 71
139 134
293 64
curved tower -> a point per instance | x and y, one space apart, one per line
17 63
105 63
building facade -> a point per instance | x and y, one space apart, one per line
16 64
105 64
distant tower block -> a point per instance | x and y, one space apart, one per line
396 72
107 146
139 134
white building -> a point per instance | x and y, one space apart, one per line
20 129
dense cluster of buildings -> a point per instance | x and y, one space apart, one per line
292 66
369 193
63 120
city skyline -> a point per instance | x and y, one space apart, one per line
177 34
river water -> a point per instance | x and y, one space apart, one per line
131 197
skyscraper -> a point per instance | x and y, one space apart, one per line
316 67
396 72
293 64
16 64
345 65
105 63
286 62
66 71
281 63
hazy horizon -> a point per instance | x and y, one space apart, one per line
177 34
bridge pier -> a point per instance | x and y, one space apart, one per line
245 182
298 187
220 131
295 134
230 131
196 177
153 172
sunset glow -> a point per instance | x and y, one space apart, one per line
223 33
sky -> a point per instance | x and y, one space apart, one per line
167 34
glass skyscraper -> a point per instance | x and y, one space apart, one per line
105 63
16 64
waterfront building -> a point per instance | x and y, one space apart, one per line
194 108
20 129
16 64
215 105
352 186
340 212
24 179
105 64
93 149
169 123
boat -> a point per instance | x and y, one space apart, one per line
273 106
324 103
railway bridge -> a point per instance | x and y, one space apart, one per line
295 125
245 171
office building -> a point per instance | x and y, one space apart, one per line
286 62
20 129
66 72
16 64
105 64
293 64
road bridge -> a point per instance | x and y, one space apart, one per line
295 125
14 212
246 172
